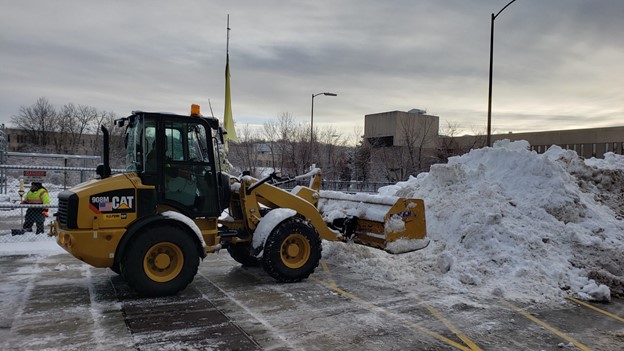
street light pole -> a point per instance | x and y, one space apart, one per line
489 116
312 114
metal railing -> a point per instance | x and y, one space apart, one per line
13 215
13 211
340 185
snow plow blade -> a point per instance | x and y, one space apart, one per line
394 224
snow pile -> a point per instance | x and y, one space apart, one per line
335 204
512 223
38 247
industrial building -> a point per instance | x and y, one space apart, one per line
399 129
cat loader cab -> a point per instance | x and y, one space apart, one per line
153 222
177 155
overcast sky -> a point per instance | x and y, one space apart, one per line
558 64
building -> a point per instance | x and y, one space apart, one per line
20 140
407 143
590 142
402 143
398 128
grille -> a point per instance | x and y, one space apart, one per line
61 214
67 214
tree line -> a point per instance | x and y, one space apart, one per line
286 146
70 129
283 144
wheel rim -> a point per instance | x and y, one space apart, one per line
295 251
163 262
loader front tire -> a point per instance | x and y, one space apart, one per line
241 253
115 268
160 261
292 251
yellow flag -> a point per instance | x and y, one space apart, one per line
228 120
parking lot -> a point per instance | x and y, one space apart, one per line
55 302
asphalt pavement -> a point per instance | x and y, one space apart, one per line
59 303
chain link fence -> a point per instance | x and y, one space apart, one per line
14 215
30 222
19 222
339 185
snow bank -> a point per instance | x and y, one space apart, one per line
335 204
39 247
512 223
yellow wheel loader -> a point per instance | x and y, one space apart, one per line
155 222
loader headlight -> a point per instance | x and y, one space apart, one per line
66 240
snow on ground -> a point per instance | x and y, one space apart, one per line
512 223
34 247
503 222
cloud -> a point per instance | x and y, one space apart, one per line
555 58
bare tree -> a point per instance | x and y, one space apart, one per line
284 146
416 134
74 123
332 152
362 153
243 153
293 146
276 133
408 152
448 144
479 141
38 121
270 133
116 138
62 141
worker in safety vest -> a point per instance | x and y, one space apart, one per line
36 195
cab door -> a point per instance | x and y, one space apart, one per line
184 166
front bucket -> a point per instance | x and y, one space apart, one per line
394 224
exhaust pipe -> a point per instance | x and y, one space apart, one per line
103 169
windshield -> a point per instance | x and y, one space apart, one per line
134 150
184 141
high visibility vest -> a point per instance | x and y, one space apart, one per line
40 196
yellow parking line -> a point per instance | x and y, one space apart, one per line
547 327
394 315
452 328
471 346
326 269
596 309
440 337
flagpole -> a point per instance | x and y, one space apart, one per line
228 119
227 43
227 80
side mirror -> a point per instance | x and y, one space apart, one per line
120 122
222 132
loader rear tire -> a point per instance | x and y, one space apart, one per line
292 251
160 261
241 253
